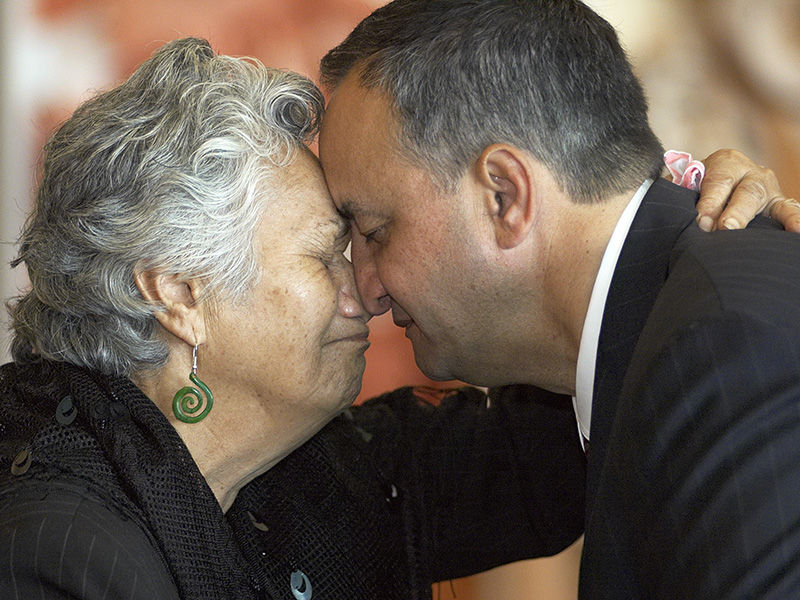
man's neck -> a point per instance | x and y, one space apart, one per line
578 246
590 335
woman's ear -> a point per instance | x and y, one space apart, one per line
179 311
509 192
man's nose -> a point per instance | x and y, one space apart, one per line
373 295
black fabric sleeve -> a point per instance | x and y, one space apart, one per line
496 478
60 542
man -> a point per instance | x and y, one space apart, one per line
497 164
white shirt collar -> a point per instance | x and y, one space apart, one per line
587 352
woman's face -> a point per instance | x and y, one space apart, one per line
295 347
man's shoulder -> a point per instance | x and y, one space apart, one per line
747 276
752 273
754 270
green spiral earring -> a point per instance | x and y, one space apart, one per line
191 405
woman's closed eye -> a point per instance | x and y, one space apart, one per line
335 256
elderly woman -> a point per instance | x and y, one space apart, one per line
173 425
192 321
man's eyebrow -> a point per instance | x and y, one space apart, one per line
350 209
346 209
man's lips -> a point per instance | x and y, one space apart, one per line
407 324
401 318
401 322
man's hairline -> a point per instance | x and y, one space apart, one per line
399 150
449 186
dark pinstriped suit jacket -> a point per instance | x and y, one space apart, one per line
694 467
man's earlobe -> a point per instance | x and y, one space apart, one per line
504 172
178 310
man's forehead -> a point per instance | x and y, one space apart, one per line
331 134
357 117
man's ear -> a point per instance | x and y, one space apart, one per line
508 188
180 312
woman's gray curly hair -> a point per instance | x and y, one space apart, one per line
168 172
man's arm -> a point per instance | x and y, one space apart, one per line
700 477
707 463
735 190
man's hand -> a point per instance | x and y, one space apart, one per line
735 190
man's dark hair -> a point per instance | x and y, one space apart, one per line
548 76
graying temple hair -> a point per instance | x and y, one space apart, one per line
165 172
548 76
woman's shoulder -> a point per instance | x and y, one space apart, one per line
66 527
61 537
41 434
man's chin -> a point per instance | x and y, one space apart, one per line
432 365
434 361
439 367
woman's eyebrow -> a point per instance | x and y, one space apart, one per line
337 227
343 228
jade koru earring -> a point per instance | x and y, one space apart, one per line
191 405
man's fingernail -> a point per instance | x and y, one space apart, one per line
706 223
730 224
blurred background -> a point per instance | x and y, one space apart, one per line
719 73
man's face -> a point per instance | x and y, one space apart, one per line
415 249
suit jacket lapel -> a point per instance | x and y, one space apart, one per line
641 271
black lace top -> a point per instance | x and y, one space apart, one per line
384 501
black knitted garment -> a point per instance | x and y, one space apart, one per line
324 511
127 452
387 498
